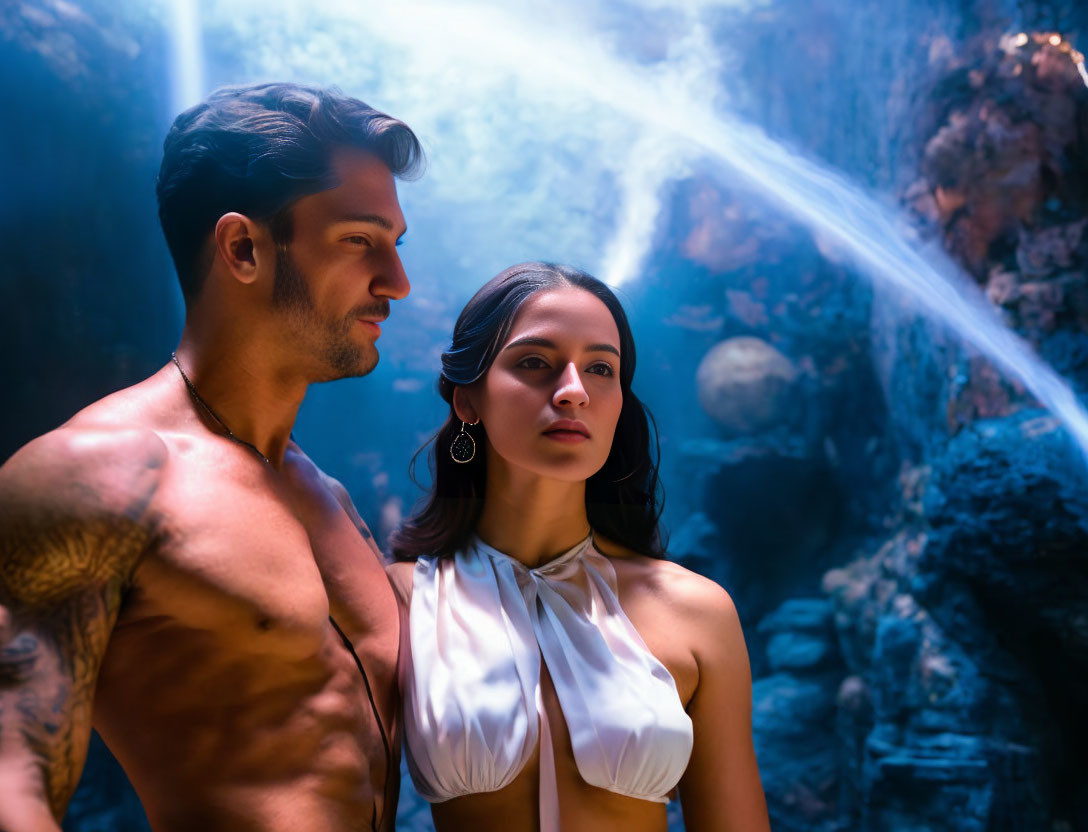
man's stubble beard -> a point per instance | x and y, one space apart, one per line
326 340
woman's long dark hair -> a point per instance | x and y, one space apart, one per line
623 499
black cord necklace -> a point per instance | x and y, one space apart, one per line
375 819
208 409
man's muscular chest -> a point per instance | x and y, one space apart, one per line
262 559
225 633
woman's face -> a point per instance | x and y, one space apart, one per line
551 399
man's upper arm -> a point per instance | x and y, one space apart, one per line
73 523
336 487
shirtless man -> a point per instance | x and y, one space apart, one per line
173 569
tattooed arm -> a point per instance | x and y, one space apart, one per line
73 525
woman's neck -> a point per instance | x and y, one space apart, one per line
530 518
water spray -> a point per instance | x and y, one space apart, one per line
489 43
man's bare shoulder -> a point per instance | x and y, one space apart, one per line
84 469
319 481
73 511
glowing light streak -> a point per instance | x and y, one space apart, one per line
187 54
817 196
554 64
653 163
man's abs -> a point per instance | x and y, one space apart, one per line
220 741
227 692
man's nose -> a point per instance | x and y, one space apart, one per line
391 282
570 392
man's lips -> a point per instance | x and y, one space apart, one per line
370 316
372 325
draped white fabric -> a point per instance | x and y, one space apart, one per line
479 624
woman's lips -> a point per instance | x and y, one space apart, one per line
565 435
567 430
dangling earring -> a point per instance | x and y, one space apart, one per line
463 447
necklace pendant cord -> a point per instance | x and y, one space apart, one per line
375 820
208 409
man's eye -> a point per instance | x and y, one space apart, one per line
601 369
357 240
533 362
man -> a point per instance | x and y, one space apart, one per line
173 569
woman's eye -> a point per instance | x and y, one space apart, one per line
601 369
532 362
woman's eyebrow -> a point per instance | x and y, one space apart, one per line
603 348
530 341
533 341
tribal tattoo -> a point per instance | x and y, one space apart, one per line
61 585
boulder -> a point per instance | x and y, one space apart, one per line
745 385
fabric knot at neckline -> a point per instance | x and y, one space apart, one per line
573 553
482 628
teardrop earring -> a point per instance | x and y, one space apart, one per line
463 447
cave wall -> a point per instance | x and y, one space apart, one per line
931 677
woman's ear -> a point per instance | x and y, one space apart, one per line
462 405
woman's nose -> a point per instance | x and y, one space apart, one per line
570 392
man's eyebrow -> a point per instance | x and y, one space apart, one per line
374 219
531 341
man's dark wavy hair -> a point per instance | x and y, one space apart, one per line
623 499
255 149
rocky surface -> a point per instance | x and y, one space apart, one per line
1004 189
793 716
952 694
955 626
79 151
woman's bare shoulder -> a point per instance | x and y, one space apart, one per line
692 595
400 576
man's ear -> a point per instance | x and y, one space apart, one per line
236 237
462 405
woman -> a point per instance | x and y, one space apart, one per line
557 671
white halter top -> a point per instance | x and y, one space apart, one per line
479 623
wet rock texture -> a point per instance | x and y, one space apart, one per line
966 629
79 152
1004 189
940 681
967 623
918 652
